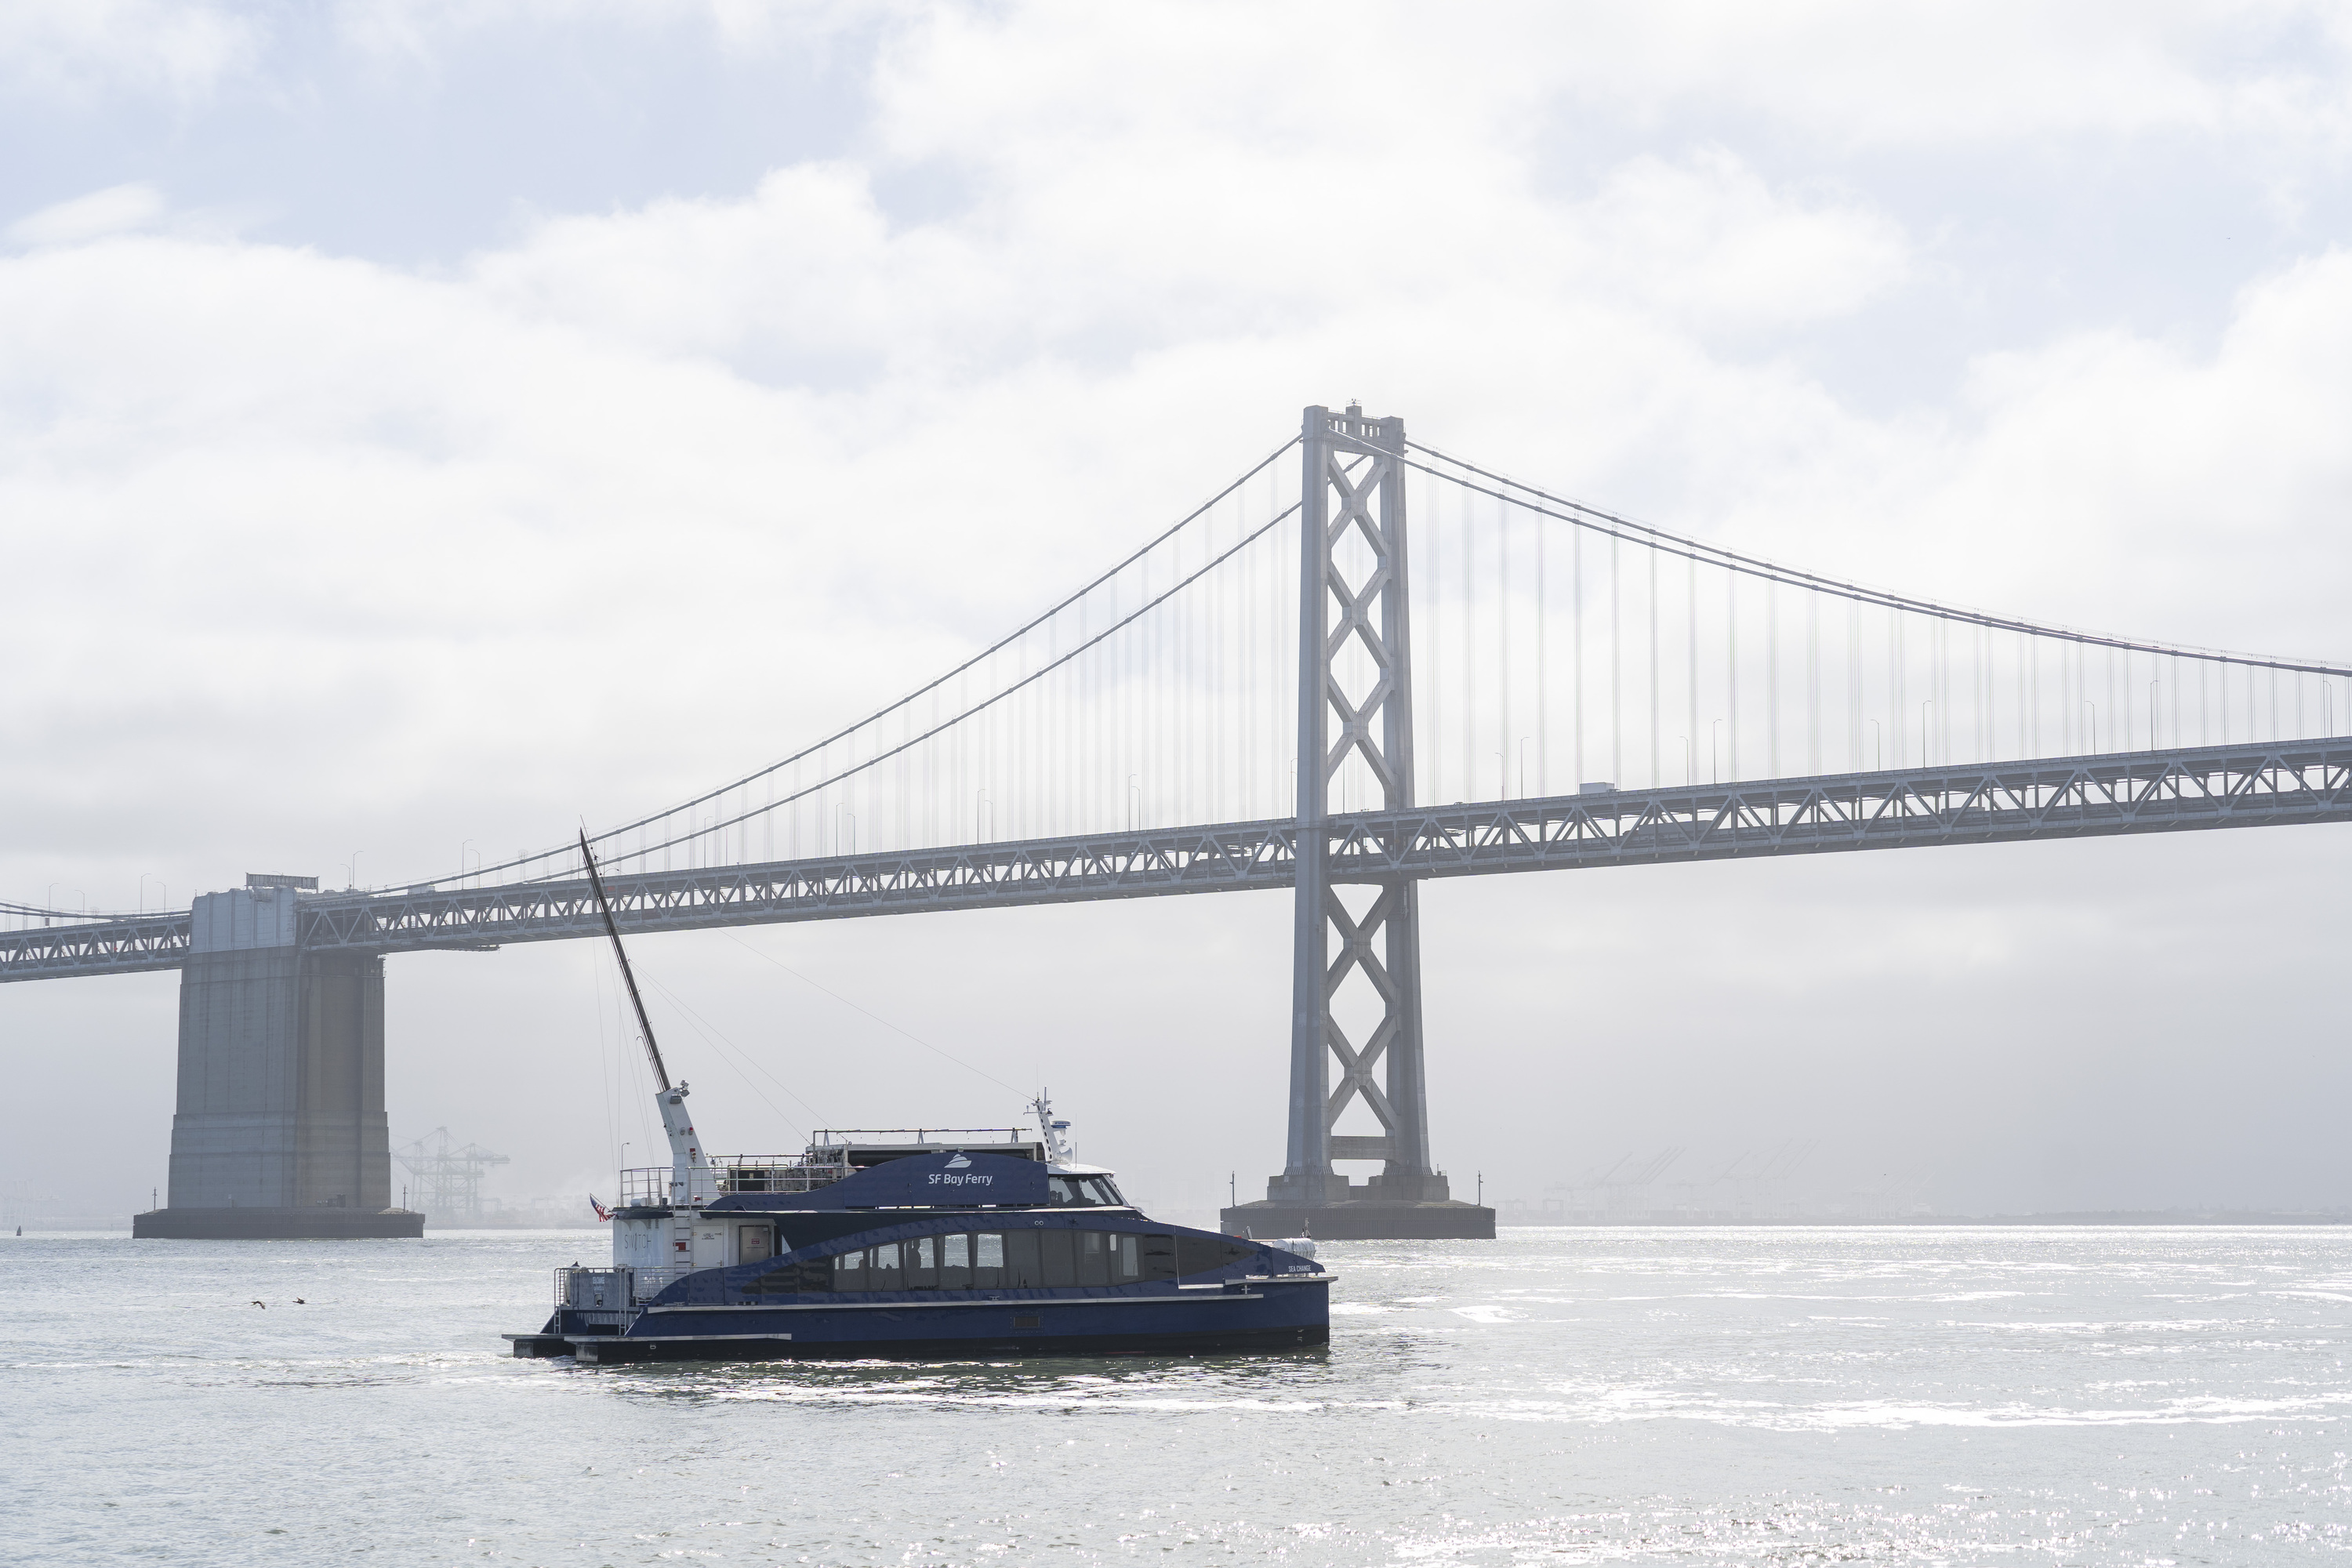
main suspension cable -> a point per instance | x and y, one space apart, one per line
993 649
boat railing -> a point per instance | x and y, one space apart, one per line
647 1283
596 1292
728 1174
760 1173
593 1289
832 1138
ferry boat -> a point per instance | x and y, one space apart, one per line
921 1244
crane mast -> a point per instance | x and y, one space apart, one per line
685 1159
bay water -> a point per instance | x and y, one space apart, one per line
1757 1396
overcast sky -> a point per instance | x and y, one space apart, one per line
433 423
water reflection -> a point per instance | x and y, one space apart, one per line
1251 1377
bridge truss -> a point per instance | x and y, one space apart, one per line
2247 786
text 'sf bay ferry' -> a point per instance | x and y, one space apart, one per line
921 1244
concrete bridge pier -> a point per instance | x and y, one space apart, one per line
279 1130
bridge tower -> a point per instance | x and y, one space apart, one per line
1355 720
279 1130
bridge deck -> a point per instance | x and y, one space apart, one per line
2252 786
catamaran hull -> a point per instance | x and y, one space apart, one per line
1279 1317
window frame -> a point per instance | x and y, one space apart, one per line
1055 1257
843 1269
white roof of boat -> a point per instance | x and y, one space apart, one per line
1070 1168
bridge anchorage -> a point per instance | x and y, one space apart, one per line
1198 720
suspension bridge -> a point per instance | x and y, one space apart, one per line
1265 696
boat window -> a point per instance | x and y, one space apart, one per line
1057 1264
794 1279
1198 1254
882 1270
1081 1192
990 1260
849 1272
987 1261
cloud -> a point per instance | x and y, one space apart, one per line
1950 75
114 210
1709 242
426 35
78 51
1056 76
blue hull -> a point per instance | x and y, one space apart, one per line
1279 1317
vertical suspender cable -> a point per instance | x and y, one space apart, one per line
1898 720
1853 685
1503 645
1690 668
1974 735
2022 641
1654 780
1214 672
2126 709
1543 704
1281 636
2174 681
1576 654
1616 673
1469 646
1731 673
1771 679
1938 696
1181 751
1282 676
1988 729
1812 683
2033 692
1252 717
1436 621
2071 653
2118 713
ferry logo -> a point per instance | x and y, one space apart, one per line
958 1173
